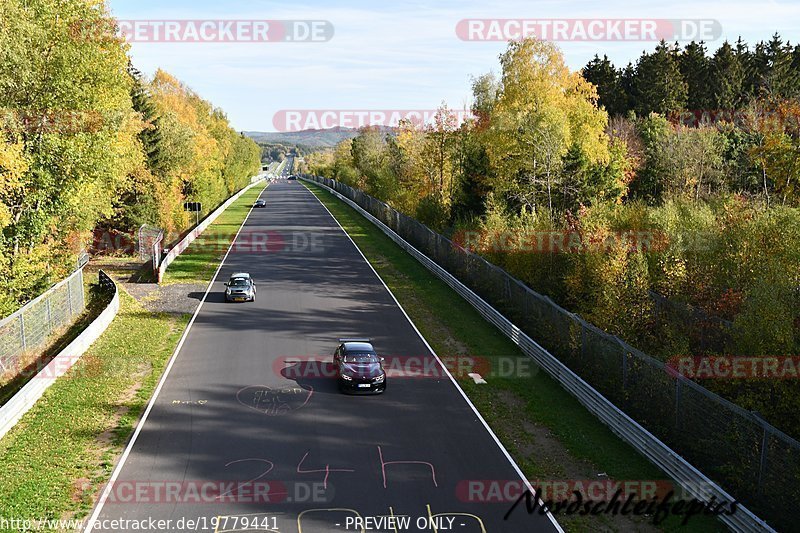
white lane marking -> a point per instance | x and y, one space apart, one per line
430 348
107 491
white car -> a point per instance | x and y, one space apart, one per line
240 288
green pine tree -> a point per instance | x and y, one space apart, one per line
658 84
604 76
780 80
150 136
726 78
695 65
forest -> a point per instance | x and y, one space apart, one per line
91 145
697 151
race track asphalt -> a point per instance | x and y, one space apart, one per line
249 431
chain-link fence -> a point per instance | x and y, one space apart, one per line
706 333
32 326
149 245
148 238
748 457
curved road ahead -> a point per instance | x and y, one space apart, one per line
240 437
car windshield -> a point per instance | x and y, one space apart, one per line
238 282
361 358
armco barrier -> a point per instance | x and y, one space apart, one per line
184 243
29 394
694 482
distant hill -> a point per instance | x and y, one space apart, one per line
309 138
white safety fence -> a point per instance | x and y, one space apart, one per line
29 394
34 324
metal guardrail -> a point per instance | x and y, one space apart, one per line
29 394
694 482
31 326
189 238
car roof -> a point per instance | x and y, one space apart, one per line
240 275
358 347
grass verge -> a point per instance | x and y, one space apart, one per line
550 435
198 262
56 457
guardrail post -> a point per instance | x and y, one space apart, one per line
762 464
82 304
22 331
678 389
49 317
583 339
624 368
69 297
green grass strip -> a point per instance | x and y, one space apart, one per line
57 456
197 263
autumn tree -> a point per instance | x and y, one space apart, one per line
543 109
70 119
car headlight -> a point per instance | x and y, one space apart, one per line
346 377
380 378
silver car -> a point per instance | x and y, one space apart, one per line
240 288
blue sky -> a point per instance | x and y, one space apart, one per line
395 55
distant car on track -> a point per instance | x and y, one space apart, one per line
359 369
292 177
240 288
260 203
